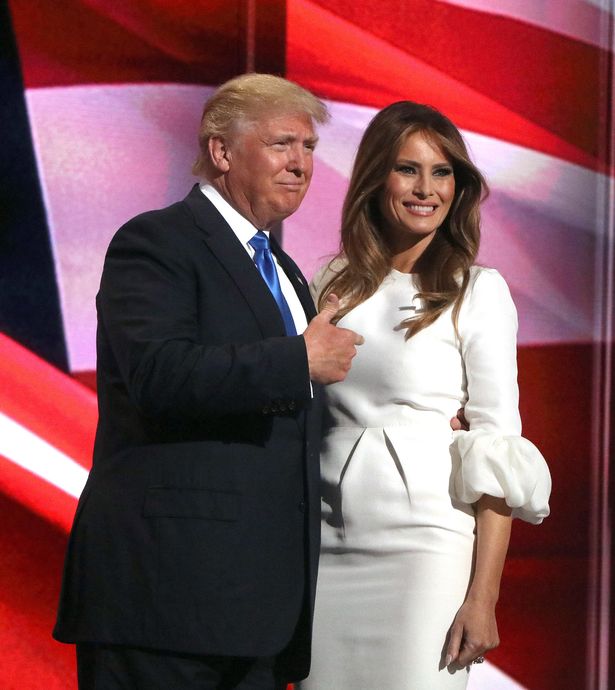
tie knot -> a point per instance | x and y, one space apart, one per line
259 242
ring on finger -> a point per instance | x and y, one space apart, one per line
479 660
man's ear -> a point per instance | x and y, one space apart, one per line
219 154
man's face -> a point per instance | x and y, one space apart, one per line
270 167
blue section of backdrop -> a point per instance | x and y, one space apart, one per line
29 300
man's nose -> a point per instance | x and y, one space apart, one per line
297 160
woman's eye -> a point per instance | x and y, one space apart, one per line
405 169
443 172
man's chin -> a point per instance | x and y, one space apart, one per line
282 211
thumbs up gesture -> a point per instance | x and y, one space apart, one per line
330 349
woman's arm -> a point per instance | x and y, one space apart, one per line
474 630
494 468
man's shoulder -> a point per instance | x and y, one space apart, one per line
167 225
160 217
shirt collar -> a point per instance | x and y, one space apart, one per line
239 225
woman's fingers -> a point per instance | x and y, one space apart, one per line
473 633
454 643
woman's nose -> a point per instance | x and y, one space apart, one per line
423 185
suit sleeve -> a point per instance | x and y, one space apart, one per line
148 311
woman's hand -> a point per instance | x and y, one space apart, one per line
473 633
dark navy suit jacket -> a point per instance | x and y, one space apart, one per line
198 528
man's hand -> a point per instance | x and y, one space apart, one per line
330 349
459 422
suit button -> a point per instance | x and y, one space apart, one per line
266 410
291 405
302 506
282 407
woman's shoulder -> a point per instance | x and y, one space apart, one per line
484 280
325 274
488 291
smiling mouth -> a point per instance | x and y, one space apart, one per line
421 209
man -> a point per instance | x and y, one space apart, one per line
192 559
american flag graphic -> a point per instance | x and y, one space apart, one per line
101 104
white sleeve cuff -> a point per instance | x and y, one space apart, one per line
508 467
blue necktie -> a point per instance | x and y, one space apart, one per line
266 266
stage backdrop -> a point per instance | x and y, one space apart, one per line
100 105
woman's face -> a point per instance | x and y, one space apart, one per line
418 192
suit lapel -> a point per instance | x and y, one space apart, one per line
225 246
296 278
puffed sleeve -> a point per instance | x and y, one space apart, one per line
492 457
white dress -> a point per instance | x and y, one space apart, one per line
397 484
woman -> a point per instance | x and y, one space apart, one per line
416 518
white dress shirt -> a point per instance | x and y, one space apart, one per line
244 230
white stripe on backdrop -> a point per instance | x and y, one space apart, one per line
106 153
33 454
580 19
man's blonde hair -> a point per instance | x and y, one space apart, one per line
247 98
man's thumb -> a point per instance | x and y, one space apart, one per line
331 308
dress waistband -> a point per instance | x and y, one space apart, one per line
428 425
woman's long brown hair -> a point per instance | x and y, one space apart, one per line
443 270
